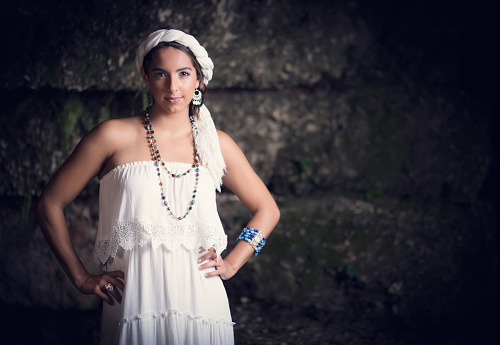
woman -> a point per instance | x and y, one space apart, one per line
160 237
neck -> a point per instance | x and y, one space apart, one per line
169 122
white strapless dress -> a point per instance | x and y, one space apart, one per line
167 300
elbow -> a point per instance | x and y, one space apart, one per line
42 210
275 214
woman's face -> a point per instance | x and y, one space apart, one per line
172 80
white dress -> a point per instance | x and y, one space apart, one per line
167 300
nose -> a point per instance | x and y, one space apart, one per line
172 84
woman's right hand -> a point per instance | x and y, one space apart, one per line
96 285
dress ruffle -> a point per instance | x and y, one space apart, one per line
174 328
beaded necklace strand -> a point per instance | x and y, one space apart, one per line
156 157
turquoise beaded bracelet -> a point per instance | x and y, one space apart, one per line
254 237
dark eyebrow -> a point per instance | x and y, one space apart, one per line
179 70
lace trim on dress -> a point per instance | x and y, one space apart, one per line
164 314
137 231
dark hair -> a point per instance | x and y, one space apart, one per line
193 109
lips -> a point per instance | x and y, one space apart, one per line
173 100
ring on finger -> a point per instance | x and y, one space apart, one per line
109 287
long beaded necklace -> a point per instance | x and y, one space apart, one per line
159 163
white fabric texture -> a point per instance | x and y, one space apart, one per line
207 140
173 35
167 300
207 144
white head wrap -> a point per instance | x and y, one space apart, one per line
207 141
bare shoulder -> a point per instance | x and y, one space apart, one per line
117 140
113 135
227 144
233 155
222 136
117 129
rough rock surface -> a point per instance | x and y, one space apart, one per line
358 117
295 43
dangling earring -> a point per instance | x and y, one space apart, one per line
150 98
197 97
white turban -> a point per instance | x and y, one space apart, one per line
207 140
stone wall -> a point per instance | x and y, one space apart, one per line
376 156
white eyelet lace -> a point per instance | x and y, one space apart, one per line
191 234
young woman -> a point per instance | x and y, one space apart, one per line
160 236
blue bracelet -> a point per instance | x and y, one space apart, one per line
254 237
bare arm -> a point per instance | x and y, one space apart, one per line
86 161
242 180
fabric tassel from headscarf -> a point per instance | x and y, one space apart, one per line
207 142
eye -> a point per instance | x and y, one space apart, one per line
159 74
185 74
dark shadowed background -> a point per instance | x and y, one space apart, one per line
372 123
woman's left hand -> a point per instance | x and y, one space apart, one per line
222 268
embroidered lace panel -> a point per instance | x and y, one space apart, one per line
137 231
